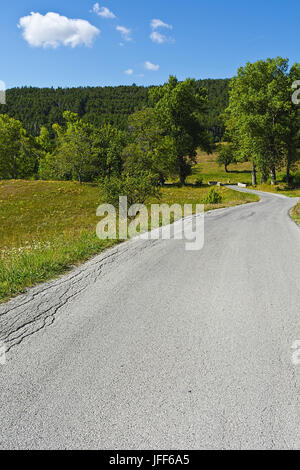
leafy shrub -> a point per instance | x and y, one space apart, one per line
138 188
294 180
213 197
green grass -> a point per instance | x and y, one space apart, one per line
48 227
45 228
208 169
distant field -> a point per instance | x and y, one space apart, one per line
47 227
208 169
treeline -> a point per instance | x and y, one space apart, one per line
262 122
37 107
160 142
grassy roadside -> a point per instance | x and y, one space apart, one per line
281 189
295 213
48 227
208 169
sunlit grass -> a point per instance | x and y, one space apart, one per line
295 213
47 227
208 169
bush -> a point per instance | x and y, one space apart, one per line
138 188
213 197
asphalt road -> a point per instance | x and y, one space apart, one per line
149 346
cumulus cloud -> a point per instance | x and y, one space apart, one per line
52 30
104 12
129 72
156 36
149 66
125 32
159 38
160 24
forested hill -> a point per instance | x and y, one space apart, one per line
35 107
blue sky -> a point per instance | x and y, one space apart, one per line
195 38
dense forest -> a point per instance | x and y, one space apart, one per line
159 142
36 107
153 133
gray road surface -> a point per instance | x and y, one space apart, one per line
148 346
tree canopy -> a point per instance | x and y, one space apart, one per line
261 118
37 107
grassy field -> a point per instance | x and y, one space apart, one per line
48 227
208 169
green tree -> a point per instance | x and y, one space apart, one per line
44 141
16 156
179 108
256 118
138 188
107 149
225 155
74 153
36 107
292 125
148 148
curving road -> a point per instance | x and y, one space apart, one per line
148 346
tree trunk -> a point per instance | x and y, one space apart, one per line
264 176
254 178
288 172
182 175
14 168
226 168
273 175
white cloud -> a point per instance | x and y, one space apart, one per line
149 66
52 30
104 12
160 24
129 72
158 37
2 86
125 32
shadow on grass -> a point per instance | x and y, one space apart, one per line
186 185
239 172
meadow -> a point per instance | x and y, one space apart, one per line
208 169
48 227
